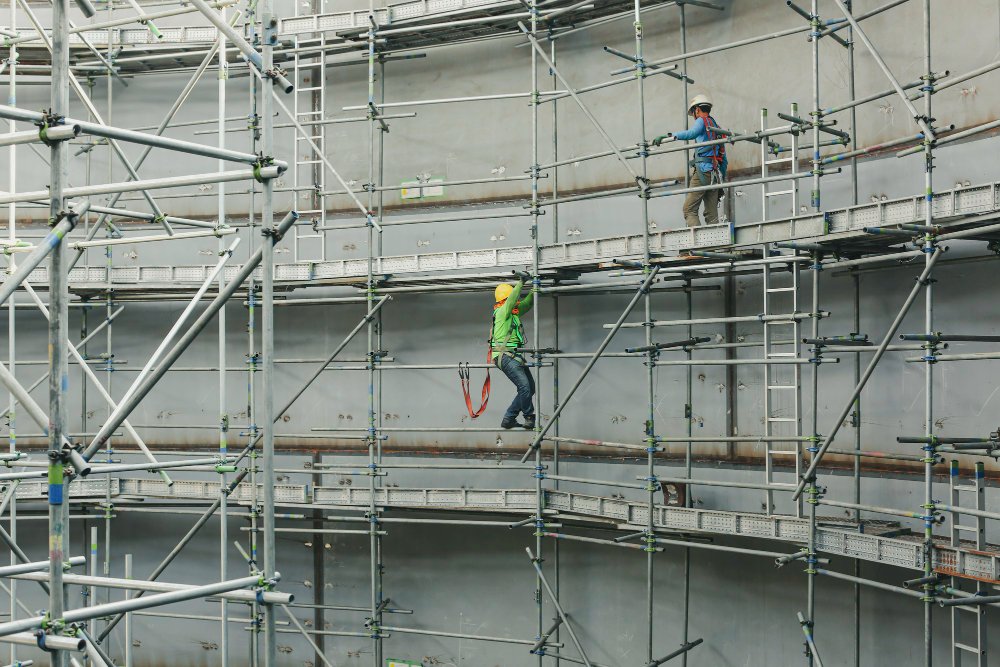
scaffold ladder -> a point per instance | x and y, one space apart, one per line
308 175
968 622
773 192
783 378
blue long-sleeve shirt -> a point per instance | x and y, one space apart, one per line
699 133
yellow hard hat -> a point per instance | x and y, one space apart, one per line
503 291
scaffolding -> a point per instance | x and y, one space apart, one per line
789 248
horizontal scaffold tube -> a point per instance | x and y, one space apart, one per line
869 582
149 184
37 566
57 133
268 597
131 136
459 635
151 16
727 185
725 320
735 485
52 642
745 362
97 611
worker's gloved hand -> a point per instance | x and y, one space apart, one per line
523 276
660 139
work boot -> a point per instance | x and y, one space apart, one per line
510 422
529 423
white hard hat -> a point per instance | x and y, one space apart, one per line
699 100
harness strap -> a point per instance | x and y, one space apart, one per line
465 373
718 152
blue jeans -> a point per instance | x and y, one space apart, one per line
519 374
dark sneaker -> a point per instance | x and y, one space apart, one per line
509 423
529 423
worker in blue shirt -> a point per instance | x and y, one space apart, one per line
709 164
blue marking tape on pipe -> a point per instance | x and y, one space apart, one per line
55 494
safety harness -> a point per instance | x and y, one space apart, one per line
718 151
464 372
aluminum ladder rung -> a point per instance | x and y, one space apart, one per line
782 420
966 487
309 89
309 236
307 211
772 290
308 113
966 647
781 386
309 162
778 193
972 609
781 355
780 160
314 138
971 529
789 452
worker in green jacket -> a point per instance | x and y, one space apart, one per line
506 339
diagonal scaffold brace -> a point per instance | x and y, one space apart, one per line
593 360
810 474
810 643
687 646
559 609
576 98
126 407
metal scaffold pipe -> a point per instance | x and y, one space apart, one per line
593 360
133 604
920 283
126 407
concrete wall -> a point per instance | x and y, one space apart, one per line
477 580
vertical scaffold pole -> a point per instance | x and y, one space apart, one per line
856 279
269 37
374 451
253 536
650 429
554 213
109 368
223 412
813 497
11 314
929 356
856 421
852 94
535 210
58 328
814 197
815 201
689 430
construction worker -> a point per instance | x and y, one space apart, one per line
506 339
709 164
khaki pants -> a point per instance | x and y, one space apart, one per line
694 199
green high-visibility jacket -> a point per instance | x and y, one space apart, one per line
507 324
